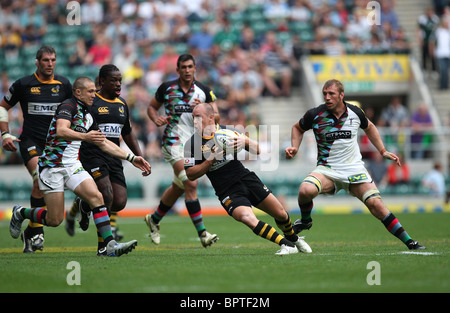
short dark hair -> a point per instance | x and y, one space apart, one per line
184 58
45 49
106 70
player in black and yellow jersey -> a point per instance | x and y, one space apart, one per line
39 94
237 188
110 111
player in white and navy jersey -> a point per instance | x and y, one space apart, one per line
59 168
339 162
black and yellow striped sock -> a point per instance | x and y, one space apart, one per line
74 209
266 231
113 219
286 228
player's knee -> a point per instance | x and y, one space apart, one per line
95 199
245 216
307 191
371 196
53 221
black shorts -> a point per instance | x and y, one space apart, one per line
101 167
30 148
249 191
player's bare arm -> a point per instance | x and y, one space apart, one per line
7 139
152 112
296 139
375 138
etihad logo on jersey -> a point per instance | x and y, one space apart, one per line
35 90
103 110
340 134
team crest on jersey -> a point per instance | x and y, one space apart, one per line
121 111
55 91
35 90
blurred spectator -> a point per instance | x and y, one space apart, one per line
246 84
434 181
129 9
395 115
158 29
226 37
334 46
167 62
421 127
77 57
202 39
100 52
301 11
153 78
180 31
133 73
31 15
276 9
275 67
125 58
427 23
138 32
147 57
400 43
91 12
378 169
11 41
440 47
398 175
388 13
144 9
31 36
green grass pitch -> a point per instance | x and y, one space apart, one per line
240 262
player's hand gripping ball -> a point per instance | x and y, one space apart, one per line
224 138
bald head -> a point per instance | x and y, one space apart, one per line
203 114
81 82
84 90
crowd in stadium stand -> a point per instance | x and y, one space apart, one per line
244 49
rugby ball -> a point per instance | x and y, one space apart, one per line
223 136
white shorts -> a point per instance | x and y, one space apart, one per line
343 178
174 153
57 179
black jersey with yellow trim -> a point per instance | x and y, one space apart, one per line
112 118
38 100
224 172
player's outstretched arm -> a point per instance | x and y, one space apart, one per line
296 140
375 138
115 151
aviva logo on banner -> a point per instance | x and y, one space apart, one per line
377 68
